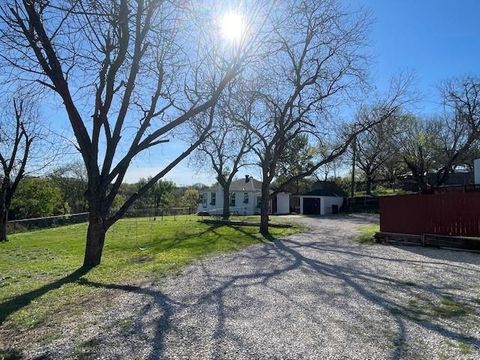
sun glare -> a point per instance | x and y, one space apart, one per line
232 26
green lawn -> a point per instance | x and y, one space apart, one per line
366 232
40 279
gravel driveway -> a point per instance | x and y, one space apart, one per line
317 295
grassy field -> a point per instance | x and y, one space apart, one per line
40 277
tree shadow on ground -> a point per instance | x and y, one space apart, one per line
453 255
428 252
18 302
362 281
291 255
159 300
356 218
163 244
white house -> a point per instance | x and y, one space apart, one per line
245 199
317 202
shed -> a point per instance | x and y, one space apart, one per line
317 202
280 204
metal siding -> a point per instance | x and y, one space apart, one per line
450 213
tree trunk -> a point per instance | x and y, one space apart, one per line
95 240
226 203
352 184
422 185
264 209
368 185
3 223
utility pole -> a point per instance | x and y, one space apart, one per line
354 154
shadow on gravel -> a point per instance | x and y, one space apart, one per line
269 261
429 252
362 281
457 256
356 218
357 280
159 300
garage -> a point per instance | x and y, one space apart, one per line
318 202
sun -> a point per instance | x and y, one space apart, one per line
232 26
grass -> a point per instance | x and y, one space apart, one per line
444 308
366 232
450 308
40 279
465 349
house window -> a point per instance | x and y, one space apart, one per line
259 201
232 199
213 198
245 198
204 200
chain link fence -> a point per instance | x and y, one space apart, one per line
143 216
15 226
23 225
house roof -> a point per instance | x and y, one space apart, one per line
243 185
321 192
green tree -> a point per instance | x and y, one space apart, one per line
298 156
71 179
158 195
190 198
37 197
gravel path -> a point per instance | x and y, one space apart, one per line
317 295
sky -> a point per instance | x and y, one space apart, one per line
434 39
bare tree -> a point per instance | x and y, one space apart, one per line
440 144
128 73
418 143
316 58
15 151
299 155
376 146
460 127
226 149
330 169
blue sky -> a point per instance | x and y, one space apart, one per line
435 39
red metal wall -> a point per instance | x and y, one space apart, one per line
449 213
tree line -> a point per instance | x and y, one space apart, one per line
60 192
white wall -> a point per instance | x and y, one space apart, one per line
301 205
328 201
240 207
476 171
283 203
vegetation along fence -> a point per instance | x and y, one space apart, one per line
46 222
447 213
15 226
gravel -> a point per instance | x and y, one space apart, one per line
317 295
